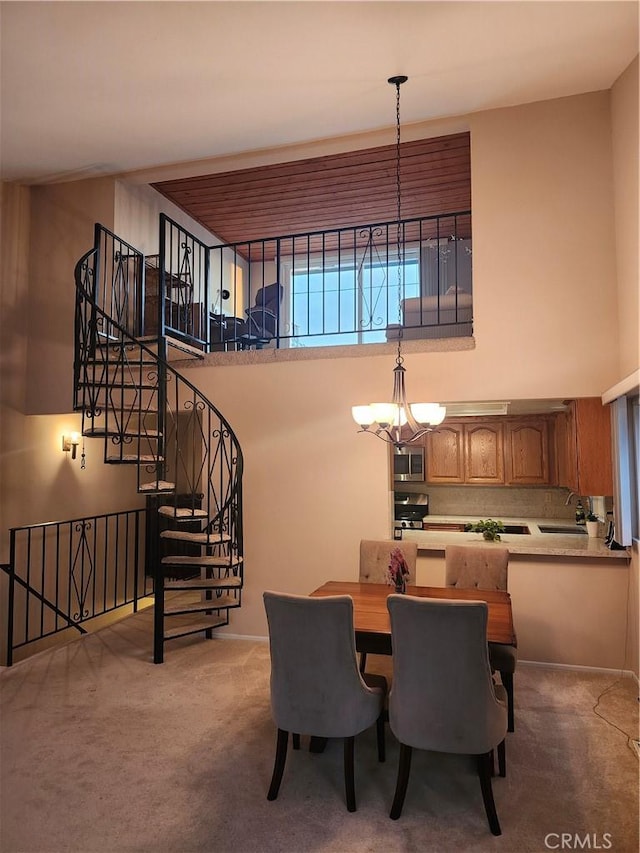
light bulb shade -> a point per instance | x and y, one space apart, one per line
362 415
385 414
428 413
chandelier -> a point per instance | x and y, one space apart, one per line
398 422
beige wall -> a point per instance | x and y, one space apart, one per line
564 612
624 130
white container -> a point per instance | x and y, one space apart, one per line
592 528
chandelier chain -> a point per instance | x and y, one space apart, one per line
398 81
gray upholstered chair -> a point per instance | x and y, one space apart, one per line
439 707
485 567
375 555
316 688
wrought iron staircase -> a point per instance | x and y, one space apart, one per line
188 460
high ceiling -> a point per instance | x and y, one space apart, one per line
96 88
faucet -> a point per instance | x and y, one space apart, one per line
569 496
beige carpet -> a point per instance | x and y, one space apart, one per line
103 751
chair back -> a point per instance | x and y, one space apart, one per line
269 297
476 566
442 696
375 555
316 687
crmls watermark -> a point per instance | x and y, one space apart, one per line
578 841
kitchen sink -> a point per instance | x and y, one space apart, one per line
543 528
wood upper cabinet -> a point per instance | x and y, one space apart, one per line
583 439
465 452
527 459
445 454
484 453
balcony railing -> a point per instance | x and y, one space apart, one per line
352 285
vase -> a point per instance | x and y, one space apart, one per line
401 587
592 528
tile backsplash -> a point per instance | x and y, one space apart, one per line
495 501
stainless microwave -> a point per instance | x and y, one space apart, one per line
408 464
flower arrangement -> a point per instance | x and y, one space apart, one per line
398 570
490 529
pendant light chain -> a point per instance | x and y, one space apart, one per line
398 81
388 419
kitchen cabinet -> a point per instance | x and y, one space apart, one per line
484 453
466 452
445 454
583 447
491 452
527 460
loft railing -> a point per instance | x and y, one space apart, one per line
341 286
62 574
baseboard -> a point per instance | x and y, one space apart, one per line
248 637
599 670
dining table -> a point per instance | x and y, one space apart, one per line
371 616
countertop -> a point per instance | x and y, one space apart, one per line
534 543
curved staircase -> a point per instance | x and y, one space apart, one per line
188 460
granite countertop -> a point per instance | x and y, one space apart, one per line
534 543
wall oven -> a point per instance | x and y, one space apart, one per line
408 464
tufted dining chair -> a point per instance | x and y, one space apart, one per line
485 567
316 687
375 555
437 707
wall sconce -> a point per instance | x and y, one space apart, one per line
70 443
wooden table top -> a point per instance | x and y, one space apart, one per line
371 616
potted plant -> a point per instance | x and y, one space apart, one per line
490 529
592 524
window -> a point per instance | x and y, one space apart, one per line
333 304
626 462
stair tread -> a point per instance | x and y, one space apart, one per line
205 583
219 562
182 513
117 360
199 538
222 603
157 486
195 627
129 385
100 432
135 457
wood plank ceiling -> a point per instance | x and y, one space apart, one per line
342 190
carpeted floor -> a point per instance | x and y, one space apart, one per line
103 751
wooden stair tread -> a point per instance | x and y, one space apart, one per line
222 603
198 538
182 513
205 583
218 562
195 627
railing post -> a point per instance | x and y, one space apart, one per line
11 602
